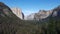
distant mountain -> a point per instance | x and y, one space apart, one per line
18 12
40 15
43 14
30 17
54 16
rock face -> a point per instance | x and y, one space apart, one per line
18 12
40 15
43 14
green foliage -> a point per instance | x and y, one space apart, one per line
17 26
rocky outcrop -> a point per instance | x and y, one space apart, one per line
43 14
40 15
54 16
18 12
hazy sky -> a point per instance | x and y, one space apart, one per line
32 6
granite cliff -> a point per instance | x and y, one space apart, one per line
18 12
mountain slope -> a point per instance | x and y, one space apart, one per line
8 20
11 24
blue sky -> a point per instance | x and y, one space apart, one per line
32 6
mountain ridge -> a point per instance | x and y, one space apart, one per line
42 14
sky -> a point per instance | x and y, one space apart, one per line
32 6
